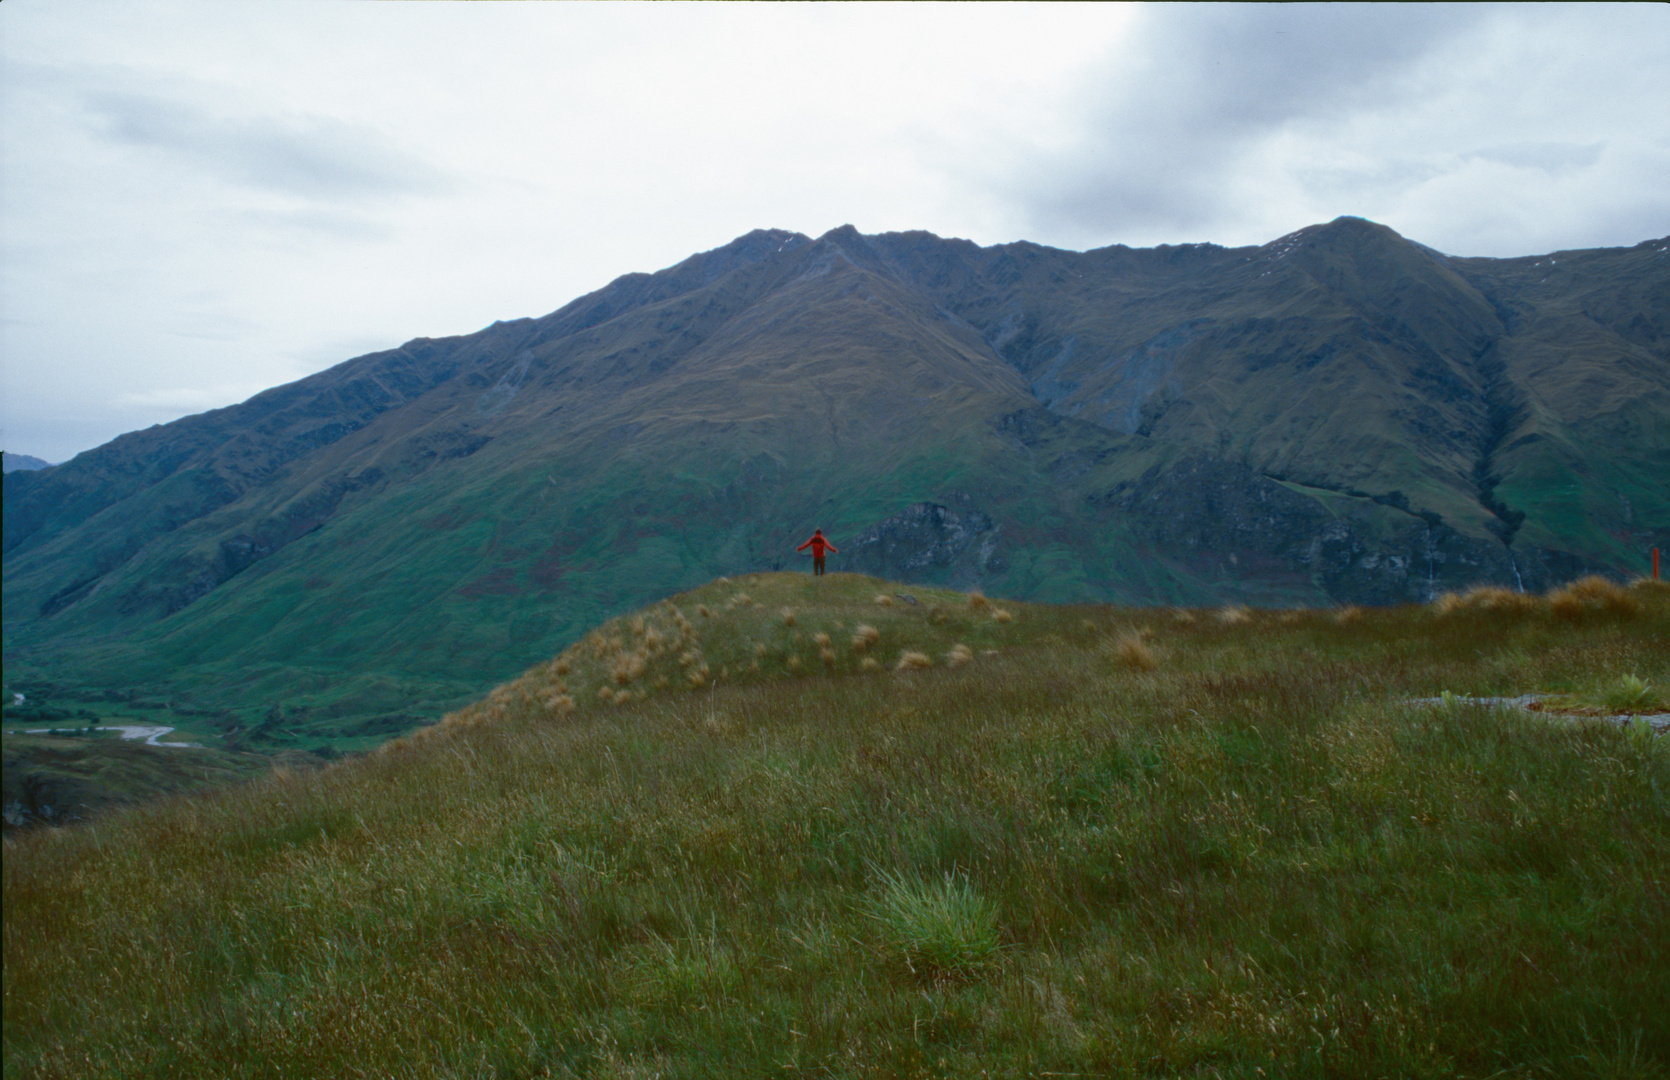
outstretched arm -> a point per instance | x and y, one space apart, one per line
804 546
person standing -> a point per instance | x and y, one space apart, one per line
819 545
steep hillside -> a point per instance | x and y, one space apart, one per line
1341 415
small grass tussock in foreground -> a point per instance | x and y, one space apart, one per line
1271 854
940 928
1131 651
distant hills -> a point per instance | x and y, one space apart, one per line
14 462
1339 416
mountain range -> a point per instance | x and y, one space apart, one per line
1339 416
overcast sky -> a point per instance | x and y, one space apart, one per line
199 200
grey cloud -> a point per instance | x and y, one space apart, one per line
1555 158
1210 80
312 158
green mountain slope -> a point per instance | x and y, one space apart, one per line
1341 415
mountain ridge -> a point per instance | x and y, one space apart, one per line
1340 415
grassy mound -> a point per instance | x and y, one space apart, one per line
1066 840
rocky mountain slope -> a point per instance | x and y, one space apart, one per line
1341 415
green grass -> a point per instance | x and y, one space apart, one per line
73 777
1258 856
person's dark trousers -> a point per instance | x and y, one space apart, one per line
817 565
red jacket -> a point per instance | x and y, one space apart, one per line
817 543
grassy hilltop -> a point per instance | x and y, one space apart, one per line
845 827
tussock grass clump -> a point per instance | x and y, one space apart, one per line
1593 595
1490 598
941 928
1233 615
1002 615
977 601
1349 615
1635 695
864 636
884 600
959 655
911 660
1130 651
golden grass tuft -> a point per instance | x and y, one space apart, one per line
884 600
761 649
1348 615
1593 595
911 660
827 655
959 655
1490 598
1183 617
864 636
794 662
1233 615
698 678
1002 615
788 616
628 667
821 640
1130 651
977 601
869 663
